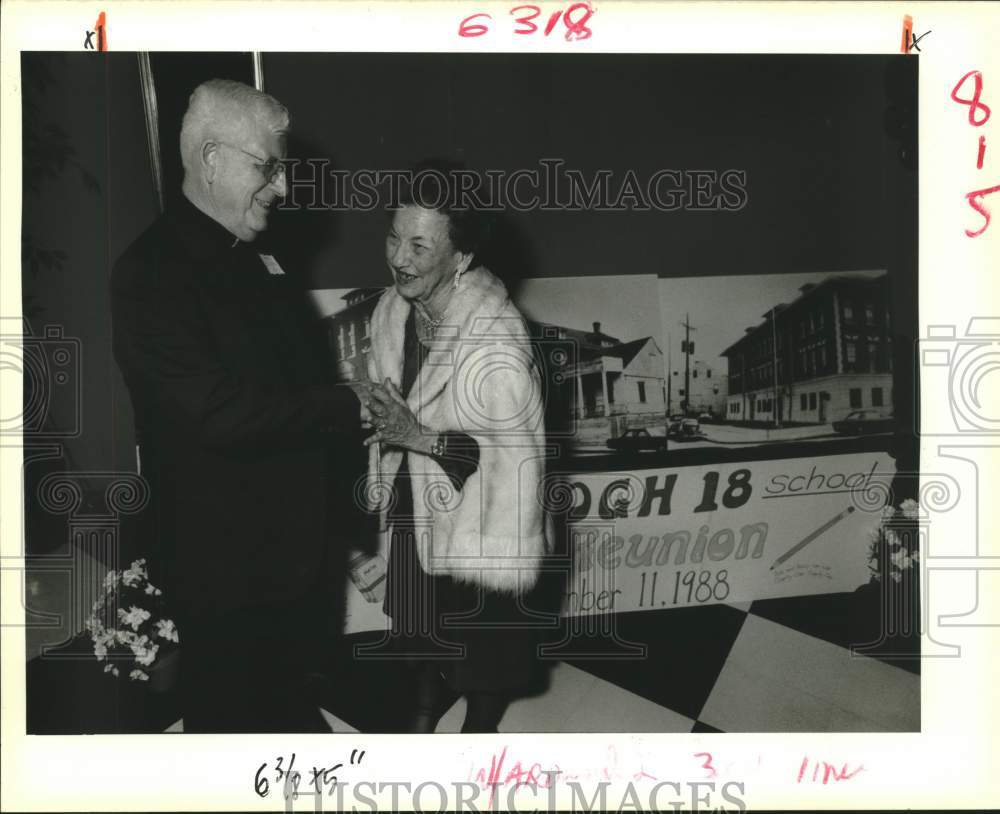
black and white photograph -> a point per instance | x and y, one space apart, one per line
401 393
813 362
445 406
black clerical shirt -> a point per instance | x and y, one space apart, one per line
235 411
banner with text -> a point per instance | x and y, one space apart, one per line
668 538
655 539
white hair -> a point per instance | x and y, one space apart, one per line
223 109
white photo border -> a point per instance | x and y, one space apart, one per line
946 765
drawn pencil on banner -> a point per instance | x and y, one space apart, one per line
795 549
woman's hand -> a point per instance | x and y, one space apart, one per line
394 422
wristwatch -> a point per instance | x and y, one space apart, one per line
440 445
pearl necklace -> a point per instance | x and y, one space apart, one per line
428 320
429 324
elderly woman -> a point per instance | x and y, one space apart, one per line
458 439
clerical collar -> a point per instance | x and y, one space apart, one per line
201 232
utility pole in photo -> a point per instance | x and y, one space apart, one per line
774 364
670 373
687 348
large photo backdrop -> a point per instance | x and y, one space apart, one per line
677 481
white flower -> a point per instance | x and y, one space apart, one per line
108 668
104 638
910 509
891 538
897 576
110 580
899 557
166 629
139 674
100 650
125 637
134 617
888 512
145 656
141 650
150 589
135 574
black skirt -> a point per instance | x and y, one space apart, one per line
482 640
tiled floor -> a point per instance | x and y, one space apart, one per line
779 680
577 701
779 666
769 666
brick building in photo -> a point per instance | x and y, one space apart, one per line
816 359
349 333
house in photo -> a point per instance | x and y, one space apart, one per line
614 384
616 378
816 359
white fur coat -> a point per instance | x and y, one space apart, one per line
479 378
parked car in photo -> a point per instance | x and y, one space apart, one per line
684 428
688 429
863 422
640 439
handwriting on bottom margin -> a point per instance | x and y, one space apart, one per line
321 778
824 773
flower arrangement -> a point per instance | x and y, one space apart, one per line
134 631
891 551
